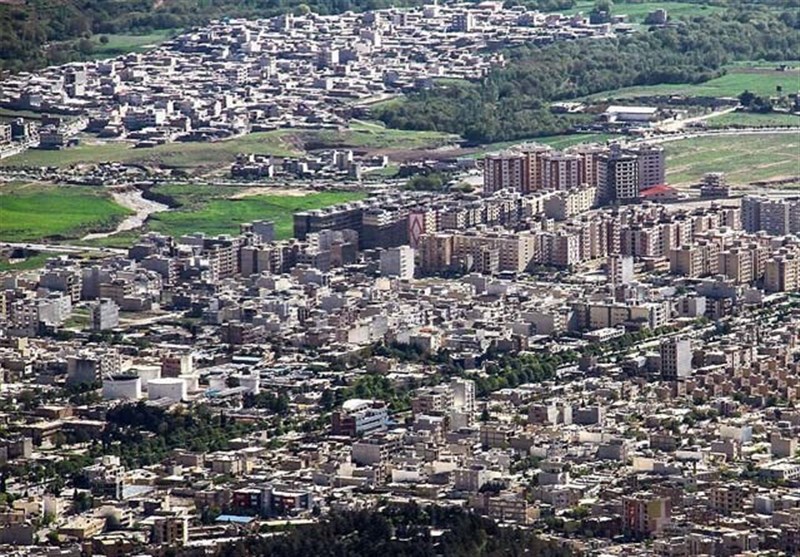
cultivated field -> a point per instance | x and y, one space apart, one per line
30 212
745 158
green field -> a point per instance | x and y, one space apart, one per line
30 212
198 156
637 12
121 240
125 43
744 158
174 155
753 120
223 216
761 80
33 262
387 172
374 135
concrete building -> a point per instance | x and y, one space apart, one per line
652 165
170 530
397 263
676 359
620 269
104 315
360 417
619 177
90 368
645 514
774 216
505 171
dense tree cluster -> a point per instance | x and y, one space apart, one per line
143 434
399 531
755 103
434 181
513 370
512 102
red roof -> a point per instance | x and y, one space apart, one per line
657 190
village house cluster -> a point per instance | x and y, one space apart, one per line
236 76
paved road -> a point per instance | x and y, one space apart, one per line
677 125
723 132
63 248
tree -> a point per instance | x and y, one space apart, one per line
85 46
103 39
601 13
746 98
327 401
53 538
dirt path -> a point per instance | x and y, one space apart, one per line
268 190
133 200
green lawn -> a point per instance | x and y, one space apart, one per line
30 212
744 158
752 120
223 216
125 43
195 195
386 103
761 80
637 12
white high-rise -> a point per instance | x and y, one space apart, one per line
398 262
